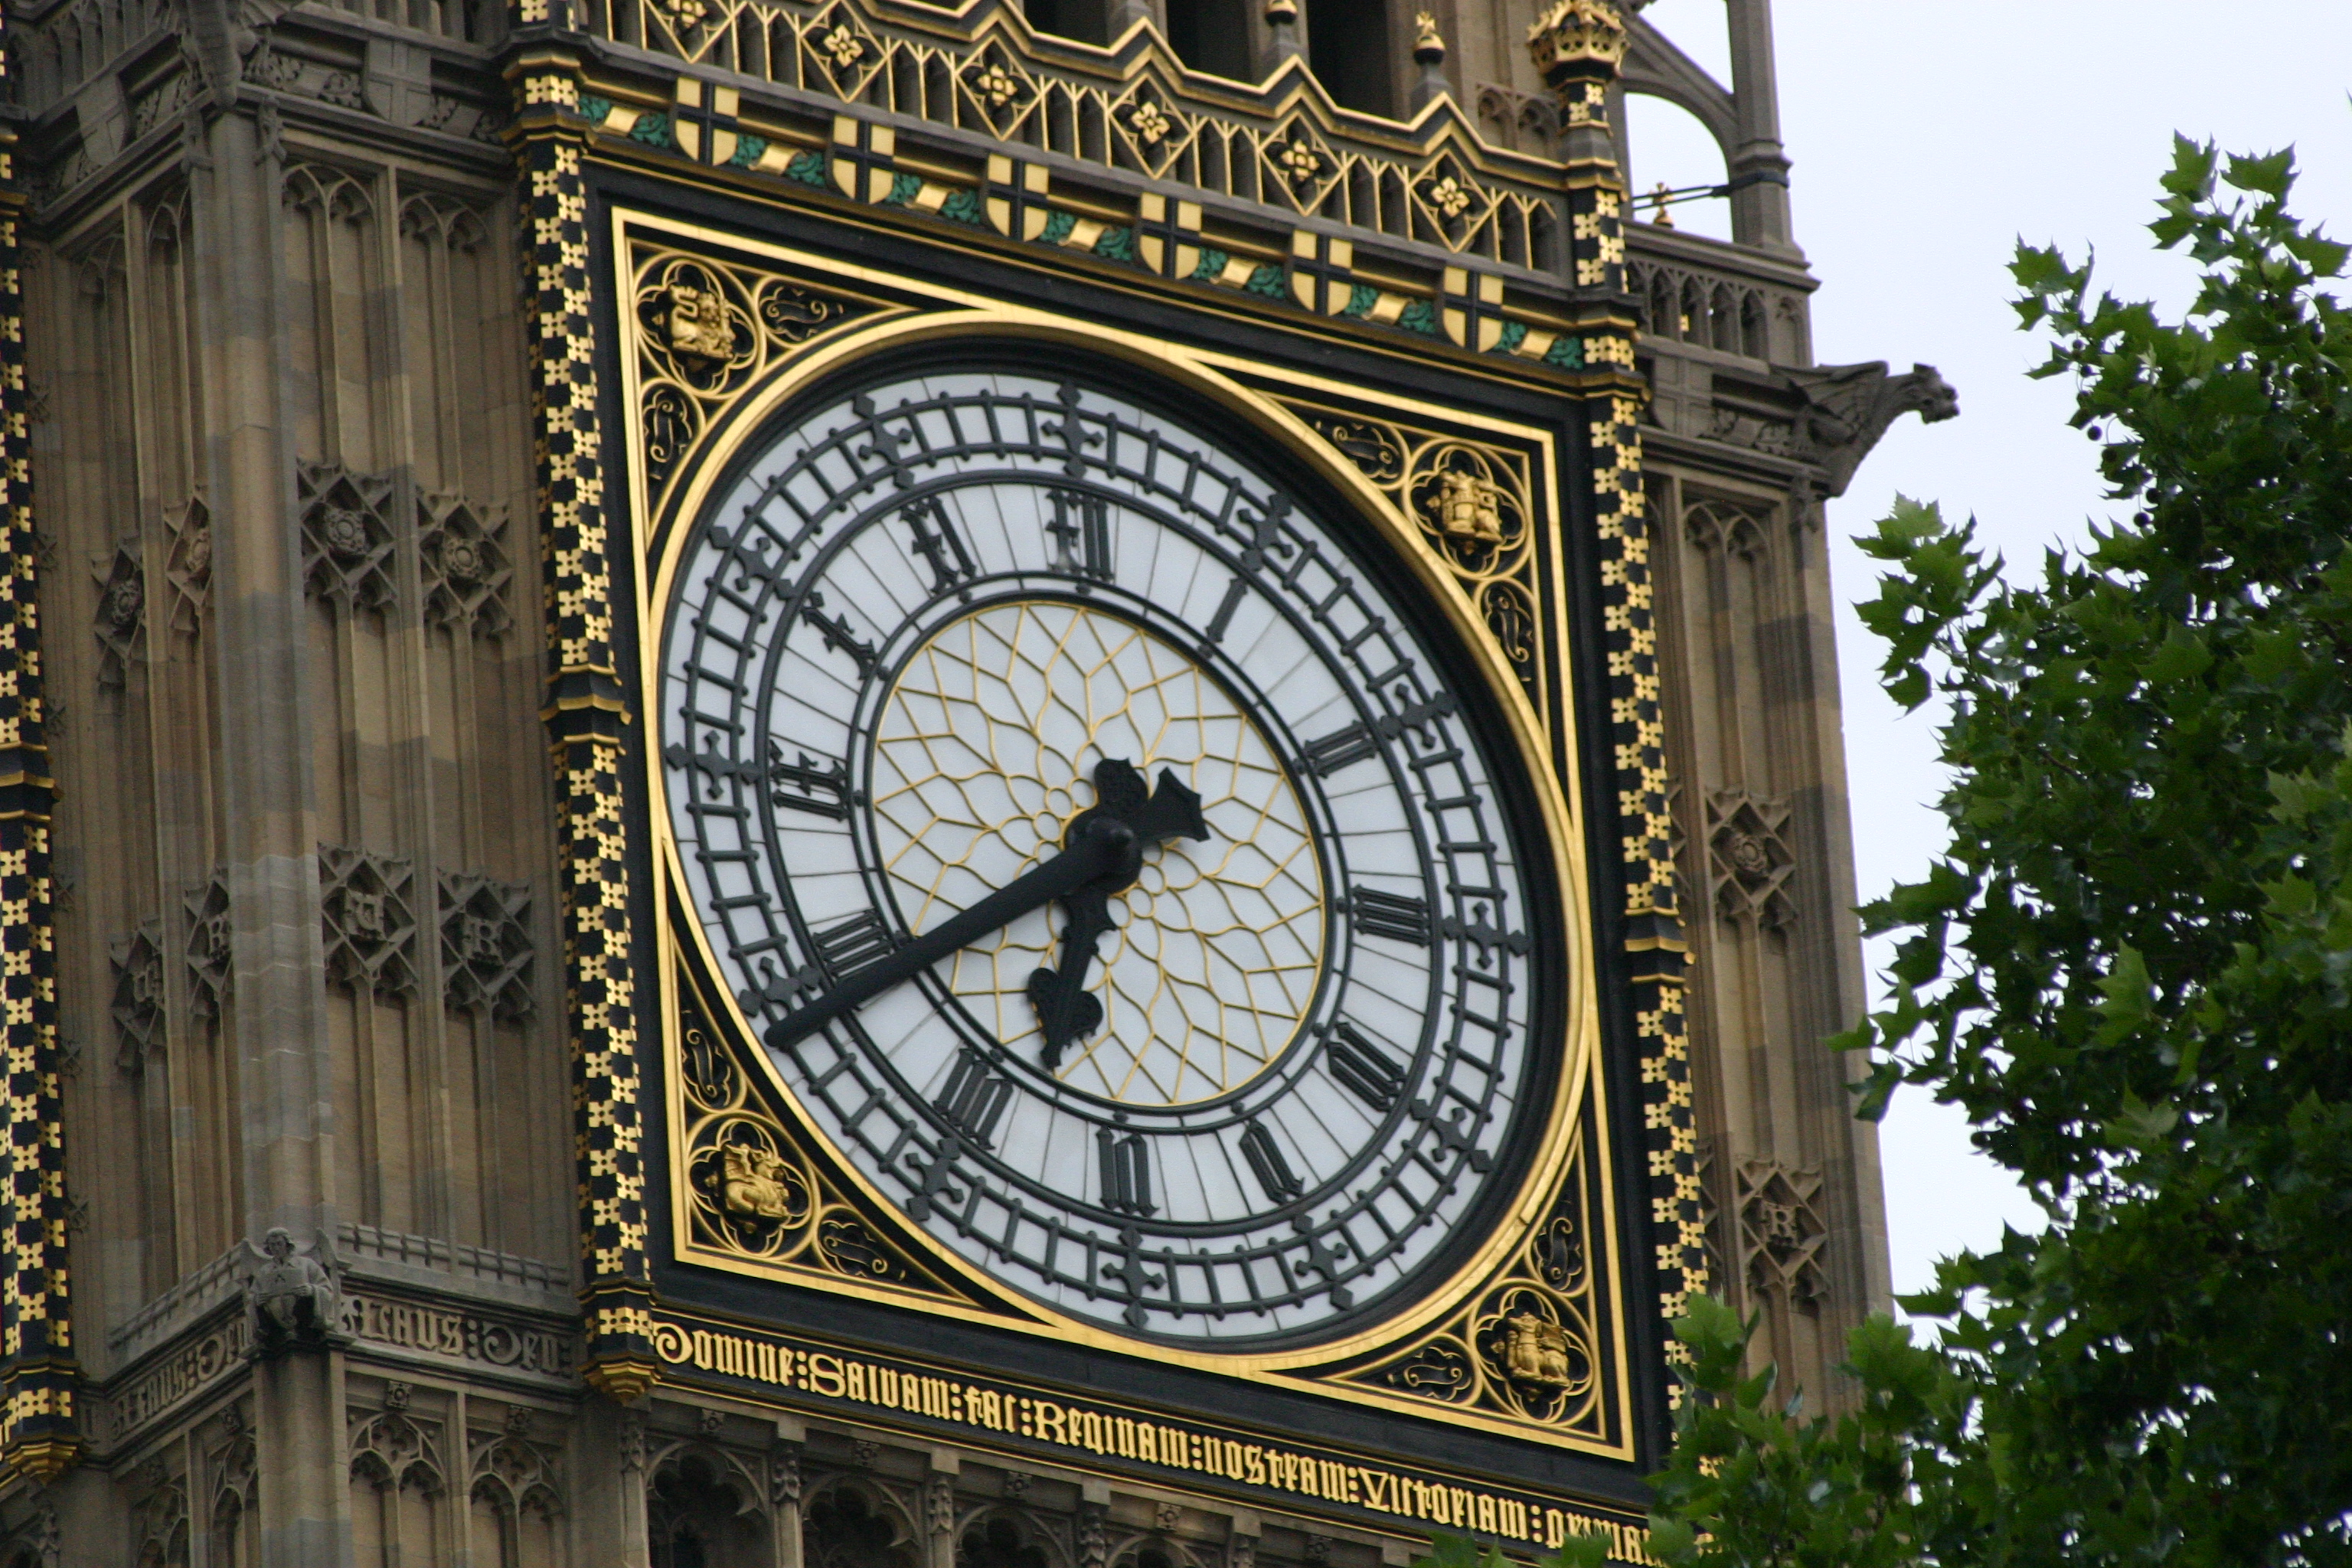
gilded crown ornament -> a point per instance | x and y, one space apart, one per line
1578 38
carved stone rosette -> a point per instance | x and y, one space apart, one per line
347 538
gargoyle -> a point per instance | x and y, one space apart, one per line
1849 406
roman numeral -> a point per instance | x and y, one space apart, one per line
1126 1172
1342 749
1363 1068
940 544
1273 1171
809 784
1346 748
838 637
974 1098
1388 915
1222 621
853 943
1081 531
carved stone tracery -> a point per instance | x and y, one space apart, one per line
461 552
485 946
136 965
210 952
1748 851
1781 1230
369 926
188 565
121 622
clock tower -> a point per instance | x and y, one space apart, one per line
853 784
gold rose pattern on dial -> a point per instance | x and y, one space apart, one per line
984 751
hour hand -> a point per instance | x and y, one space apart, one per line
1066 1012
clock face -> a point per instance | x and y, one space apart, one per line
1115 874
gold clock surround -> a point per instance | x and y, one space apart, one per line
1464 1351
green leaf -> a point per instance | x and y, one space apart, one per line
2270 176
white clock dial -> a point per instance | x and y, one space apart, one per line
1245 1037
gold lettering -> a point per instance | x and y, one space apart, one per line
1255 1457
1514 1521
824 1376
702 1349
1050 1419
1147 1442
1554 1527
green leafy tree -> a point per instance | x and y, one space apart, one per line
2132 966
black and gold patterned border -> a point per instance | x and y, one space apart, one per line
586 716
39 1428
1580 46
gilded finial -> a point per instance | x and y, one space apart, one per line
1281 12
1658 213
1428 43
1574 36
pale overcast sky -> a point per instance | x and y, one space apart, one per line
1926 138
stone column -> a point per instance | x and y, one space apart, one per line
1758 168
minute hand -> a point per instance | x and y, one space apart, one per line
1093 853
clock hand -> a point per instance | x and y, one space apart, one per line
1091 852
1066 1012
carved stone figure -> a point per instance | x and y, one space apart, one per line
295 1298
1849 406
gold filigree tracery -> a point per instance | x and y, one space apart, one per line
753 1191
705 331
1474 504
